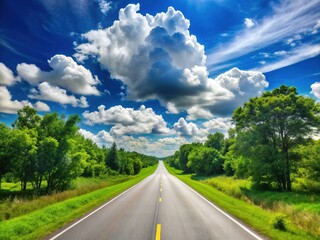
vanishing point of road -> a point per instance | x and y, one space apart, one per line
159 207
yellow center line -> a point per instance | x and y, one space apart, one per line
160 199
158 232
160 189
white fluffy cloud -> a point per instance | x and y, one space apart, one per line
7 77
248 22
185 129
7 105
218 125
198 113
173 71
316 89
65 73
161 148
127 120
101 138
56 94
41 106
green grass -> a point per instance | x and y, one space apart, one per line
14 203
262 220
40 223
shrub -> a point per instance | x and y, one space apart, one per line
279 222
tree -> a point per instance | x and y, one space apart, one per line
112 158
5 163
27 118
184 152
23 149
55 135
275 123
205 161
216 141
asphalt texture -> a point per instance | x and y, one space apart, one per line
159 207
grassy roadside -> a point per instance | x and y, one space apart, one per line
11 207
40 223
254 216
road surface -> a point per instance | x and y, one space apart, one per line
159 207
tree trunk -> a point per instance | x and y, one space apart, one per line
288 172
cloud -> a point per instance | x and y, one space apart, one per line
56 94
185 129
198 113
218 125
101 138
7 105
6 76
316 89
65 73
127 120
161 148
173 71
289 18
248 22
41 106
104 6
288 58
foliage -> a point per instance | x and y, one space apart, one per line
205 161
49 153
268 127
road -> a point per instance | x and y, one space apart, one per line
159 207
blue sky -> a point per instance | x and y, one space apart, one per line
152 75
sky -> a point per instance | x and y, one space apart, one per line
153 75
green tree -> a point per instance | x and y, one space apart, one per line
23 148
275 123
216 141
184 152
27 118
112 158
205 161
5 138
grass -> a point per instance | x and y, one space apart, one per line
231 199
301 208
15 203
38 224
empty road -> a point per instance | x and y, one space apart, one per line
159 207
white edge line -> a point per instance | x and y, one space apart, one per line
224 213
85 217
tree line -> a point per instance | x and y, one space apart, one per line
49 153
271 143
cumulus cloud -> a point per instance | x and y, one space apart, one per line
101 138
7 105
186 129
161 148
316 89
65 73
127 120
7 77
156 57
218 125
56 94
248 22
198 113
41 106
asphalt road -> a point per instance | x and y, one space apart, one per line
159 207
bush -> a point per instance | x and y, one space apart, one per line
279 222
